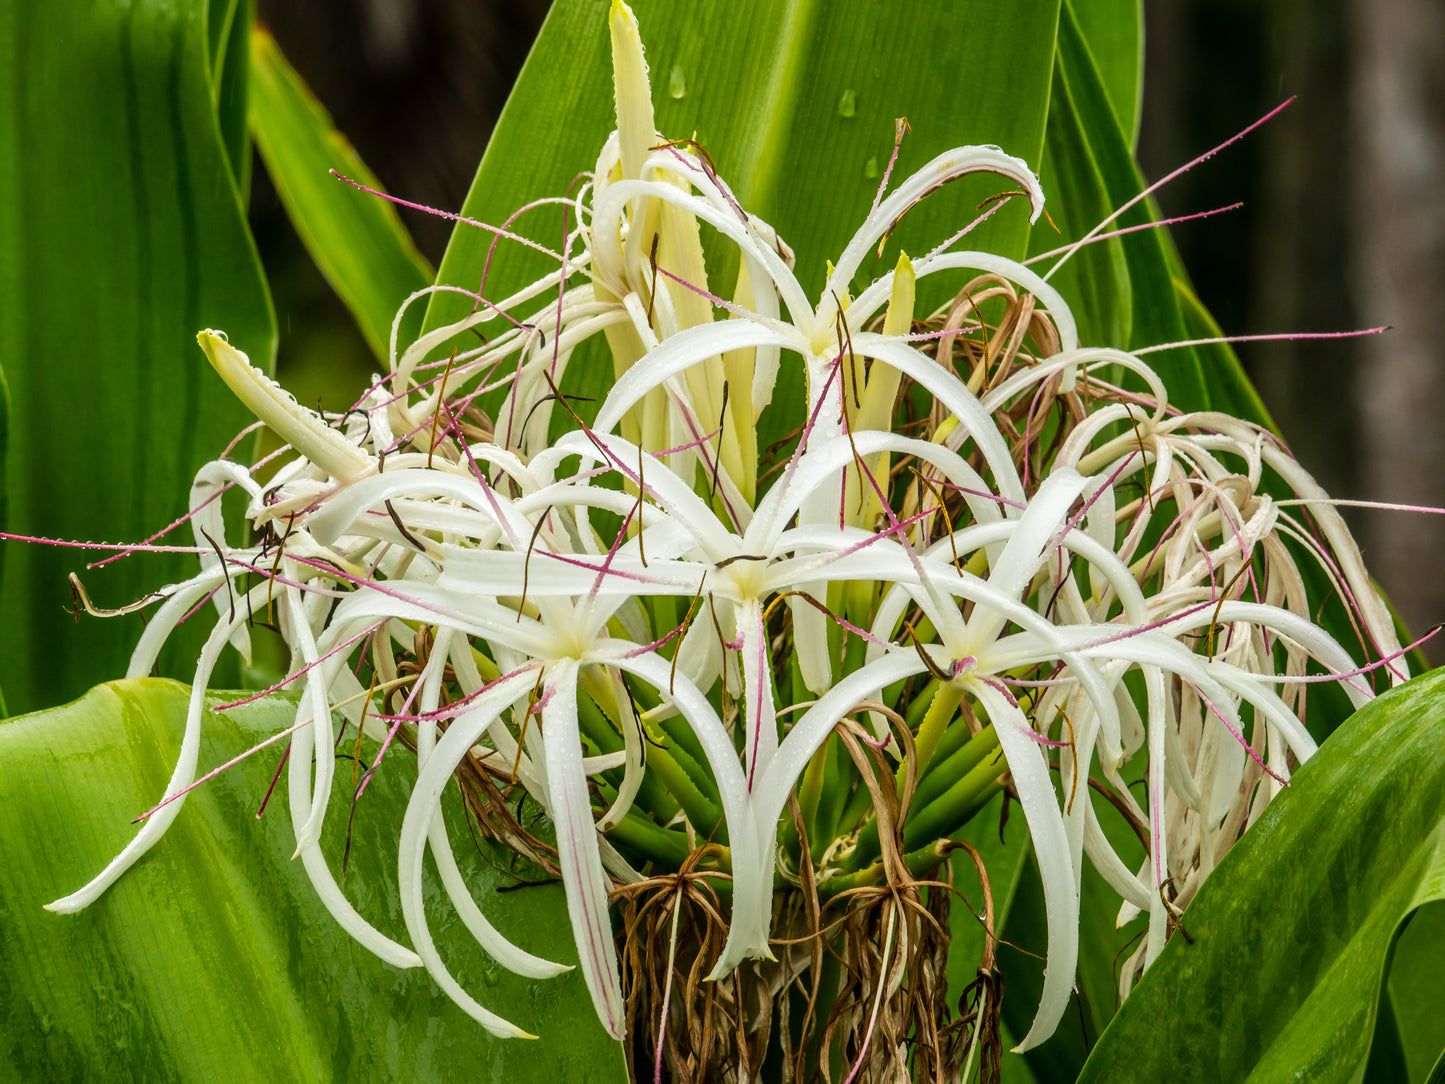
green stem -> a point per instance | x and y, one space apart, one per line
666 847
855 810
651 795
946 798
837 776
952 810
953 766
940 710
671 780
918 863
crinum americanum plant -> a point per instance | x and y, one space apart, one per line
763 687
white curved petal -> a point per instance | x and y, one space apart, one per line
583 877
946 167
432 779
1051 847
182 775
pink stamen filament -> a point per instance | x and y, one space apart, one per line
1285 336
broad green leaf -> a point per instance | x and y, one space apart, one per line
212 959
121 236
1416 992
1386 1062
1004 854
1096 279
1292 934
4 496
230 79
356 239
1153 306
796 107
1022 924
1114 30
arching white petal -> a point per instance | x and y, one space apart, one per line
1046 826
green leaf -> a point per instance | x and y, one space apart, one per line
230 78
1292 934
1096 280
1386 1061
123 236
1416 992
1155 315
1114 30
797 109
212 959
1005 855
356 239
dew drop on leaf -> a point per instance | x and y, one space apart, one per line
847 104
870 167
677 82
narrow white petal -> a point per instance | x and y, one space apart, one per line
583 877
688 347
182 775
209 528
948 166
1040 804
421 810
760 713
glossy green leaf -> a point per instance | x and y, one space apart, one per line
212 959
356 239
1114 30
121 235
1005 854
1417 992
1096 279
796 107
1292 934
230 81
1154 309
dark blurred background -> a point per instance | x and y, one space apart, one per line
1343 224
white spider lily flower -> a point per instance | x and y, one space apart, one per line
527 580
1212 520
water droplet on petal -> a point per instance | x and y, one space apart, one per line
847 104
677 82
870 168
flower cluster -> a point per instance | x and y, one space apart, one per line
1000 558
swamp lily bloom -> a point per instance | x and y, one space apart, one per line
625 618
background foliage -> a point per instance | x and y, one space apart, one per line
124 141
